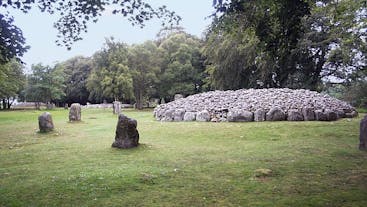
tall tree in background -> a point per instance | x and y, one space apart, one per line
77 71
45 84
110 78
12 81
285 43
333 47
144 65
182 69
261 35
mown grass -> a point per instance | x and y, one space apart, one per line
180 164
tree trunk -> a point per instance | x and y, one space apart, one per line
37 104
139 100
4 103
9 104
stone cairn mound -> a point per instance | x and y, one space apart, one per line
255 105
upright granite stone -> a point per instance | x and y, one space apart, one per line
203 116
178 115
320 115
275 114
127 136
45 122
308 114
190 116
363 134
50 106
294 115
331 115
75 113
240 116
259 115
116 107
168 115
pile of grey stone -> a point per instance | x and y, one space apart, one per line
247 105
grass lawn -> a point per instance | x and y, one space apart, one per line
180 164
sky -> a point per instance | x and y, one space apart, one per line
40 34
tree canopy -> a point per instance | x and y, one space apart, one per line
74 16
45 84
284 43
12 81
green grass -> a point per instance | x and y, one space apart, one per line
180 164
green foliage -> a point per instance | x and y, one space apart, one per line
12 81
333 46
171 65
110 78
232 60
182 69
287 43
144 62
77 71
180 164
45 84
12 42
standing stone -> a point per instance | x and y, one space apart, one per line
320 115
340 113
363 134
240 116
50 106
190 116
259 115
168 115
308 114
127 136
179 115
178 96
203 116
116 107
75 112
45 122
66 106
331 115
294 115
275 114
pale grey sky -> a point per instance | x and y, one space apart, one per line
38 30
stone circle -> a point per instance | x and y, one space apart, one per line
246 105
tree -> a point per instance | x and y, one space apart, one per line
110 78
182 69
45 84
264 35
77 71
12 80
334 43
74 18
233 61
12 42
144 65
